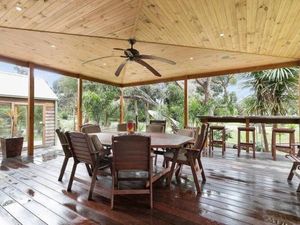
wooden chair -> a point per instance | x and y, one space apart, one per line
67 152
84 152
131 153
90 128
123 127
190 156
160 122
156 128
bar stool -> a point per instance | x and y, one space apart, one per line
246 144
212 141
290 148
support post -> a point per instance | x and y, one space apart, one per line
30 114
186 109
79 104
247 134
121 106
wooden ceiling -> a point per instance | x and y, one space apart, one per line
204 37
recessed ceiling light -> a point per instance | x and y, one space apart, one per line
191 58
104 64
221 35
18 8
52 46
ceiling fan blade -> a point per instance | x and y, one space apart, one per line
118 71
143 63
157 58
88 61
120 49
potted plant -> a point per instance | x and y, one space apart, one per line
12 146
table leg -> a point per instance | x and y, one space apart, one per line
169 178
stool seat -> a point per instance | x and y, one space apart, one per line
284 130
289 147
212 141
246 144
246 128
217 127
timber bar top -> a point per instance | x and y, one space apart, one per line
158 140
252 119
204 38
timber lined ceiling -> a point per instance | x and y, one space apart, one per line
204 37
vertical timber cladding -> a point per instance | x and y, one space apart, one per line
49 124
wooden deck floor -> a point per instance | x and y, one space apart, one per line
238 191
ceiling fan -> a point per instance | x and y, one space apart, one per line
131 54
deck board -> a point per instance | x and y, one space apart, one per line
238 191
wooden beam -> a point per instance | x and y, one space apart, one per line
216 73
30 114
79 104
24 63
293 62
121 105
186 107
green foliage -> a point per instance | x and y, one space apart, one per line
274 92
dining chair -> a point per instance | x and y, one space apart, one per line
83 151
67 152
123 127
156 128
160 122
131 157
191 156
90 128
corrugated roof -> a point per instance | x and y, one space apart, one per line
16 86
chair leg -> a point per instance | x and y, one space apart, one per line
202 170
72 176
192 164
112 190
63 168
291 174
169 178
155 159
93 183
239 143
178 171
89 170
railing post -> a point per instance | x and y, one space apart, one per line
247 134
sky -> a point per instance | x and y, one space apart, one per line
50 77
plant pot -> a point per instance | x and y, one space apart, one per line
11 147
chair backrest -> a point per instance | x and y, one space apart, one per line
202 137
131 152
64 142
155 128
186 132
82 147
90 128
123 127
161 122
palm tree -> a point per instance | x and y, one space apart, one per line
274 93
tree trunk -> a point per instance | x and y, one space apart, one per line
264 133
